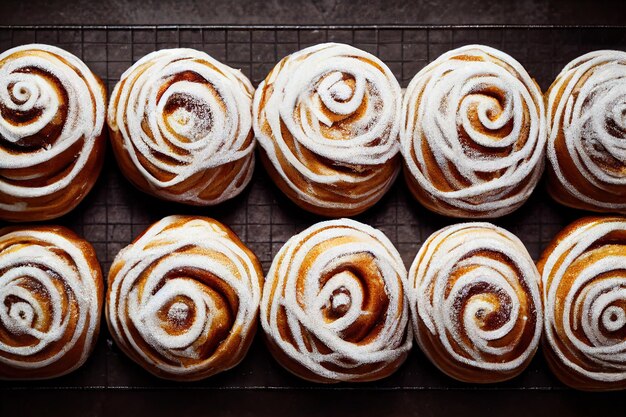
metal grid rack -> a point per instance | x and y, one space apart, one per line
114 212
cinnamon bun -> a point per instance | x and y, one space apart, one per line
584 293
333 306
327 119
586 108
50 302
475 300
52 110
473 134
181 128
183 298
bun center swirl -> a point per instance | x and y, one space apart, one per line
337 102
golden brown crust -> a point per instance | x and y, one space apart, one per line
369 373
219 178
389 169
183 298
80 339
583 268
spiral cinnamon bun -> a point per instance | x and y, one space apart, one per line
327 119
50 302
181 129
333 306
51 132
584 292
476 302
183 298
586 108
473 134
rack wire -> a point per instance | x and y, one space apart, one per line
114 213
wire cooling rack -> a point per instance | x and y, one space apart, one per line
114 212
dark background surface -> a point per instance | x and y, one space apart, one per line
449 399
312 11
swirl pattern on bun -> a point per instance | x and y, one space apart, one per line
333 306
50 302
584 292
181 127
476 302
327 119
473 134
52 110
183 298
586 108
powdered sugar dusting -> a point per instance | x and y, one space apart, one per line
488 96
339 103
209 126
314 272
584 290
178 312
587 109
147 280
45 278
454 287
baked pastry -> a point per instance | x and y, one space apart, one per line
183 298
327 119
50 302
180 125
587 131
473 134
333 306
51 132
584 293
475 300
